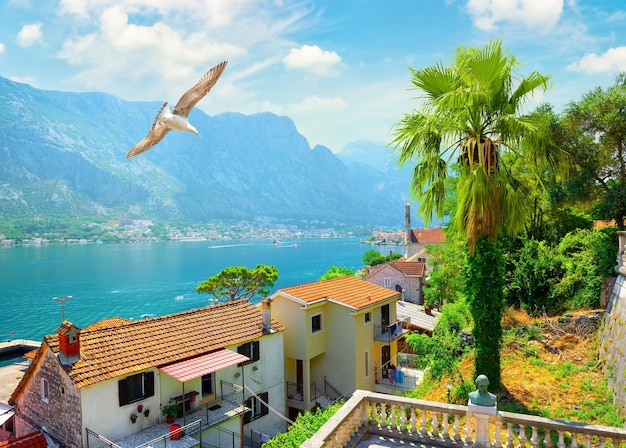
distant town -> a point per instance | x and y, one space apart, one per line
146 230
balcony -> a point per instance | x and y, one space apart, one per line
370 419
206 416
388 333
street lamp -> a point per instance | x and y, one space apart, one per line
62 300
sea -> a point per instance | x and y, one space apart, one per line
133 279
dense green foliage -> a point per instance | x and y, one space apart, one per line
440 354
373 257
484 285
336 271
239 282
305 426
445 282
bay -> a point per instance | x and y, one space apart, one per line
128 280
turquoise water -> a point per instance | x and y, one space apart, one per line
129 280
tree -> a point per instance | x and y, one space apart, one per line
471 114
373 257
336 271
598 123
239 283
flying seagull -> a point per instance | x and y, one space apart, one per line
177 119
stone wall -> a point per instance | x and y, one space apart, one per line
613 334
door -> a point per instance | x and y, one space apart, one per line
385 358
299 376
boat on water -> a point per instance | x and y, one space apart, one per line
181 297
148 316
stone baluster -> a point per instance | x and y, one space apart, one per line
383 415
424 428
373 412
547 440
402 419
497 443
561 442
444 426
435 431
587 441
574 443
468 428
522 436
413 421
393 423
534 439
457 431
509 435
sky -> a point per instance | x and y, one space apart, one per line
338 68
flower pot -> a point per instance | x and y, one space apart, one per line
169 419
146 413
175 435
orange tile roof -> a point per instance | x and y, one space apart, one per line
33 440
409 267
111 351
426 236
349 291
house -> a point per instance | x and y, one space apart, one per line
220 366
405 277
341 335
416 240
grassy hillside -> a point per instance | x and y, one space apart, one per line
549 368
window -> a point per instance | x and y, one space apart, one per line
367 363
387 282
207 384
316 323
368 318
45 390
136 387
256 406
251 350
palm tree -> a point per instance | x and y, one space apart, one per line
470 114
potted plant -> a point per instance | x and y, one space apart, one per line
133 417
146 412
170 410
139 407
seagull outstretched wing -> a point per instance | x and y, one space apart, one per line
197 92
155 135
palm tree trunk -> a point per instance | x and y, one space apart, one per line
485 282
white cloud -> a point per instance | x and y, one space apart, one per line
539 15
2 48
30 35
77 7
613 60
312 58
317 104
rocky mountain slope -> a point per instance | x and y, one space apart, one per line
65 153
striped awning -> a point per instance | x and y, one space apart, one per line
203 365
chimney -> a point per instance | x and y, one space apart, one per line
69 342
407 221
266 313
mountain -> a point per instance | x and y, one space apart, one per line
65 153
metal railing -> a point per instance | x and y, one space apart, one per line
95 440
388 333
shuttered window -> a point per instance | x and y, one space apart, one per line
256 406
136 387
251 350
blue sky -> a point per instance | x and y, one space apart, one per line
338 68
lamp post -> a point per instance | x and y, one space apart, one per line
62 300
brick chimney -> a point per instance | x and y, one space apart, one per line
266 312
69 342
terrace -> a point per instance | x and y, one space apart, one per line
370 419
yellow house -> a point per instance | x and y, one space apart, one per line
341 336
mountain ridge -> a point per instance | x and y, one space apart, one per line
65 153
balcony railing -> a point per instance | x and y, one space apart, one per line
448 425
387 333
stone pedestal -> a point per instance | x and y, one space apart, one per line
481 414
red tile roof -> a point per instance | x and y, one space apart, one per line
33 440
414 268
349 291
123 348
428 236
